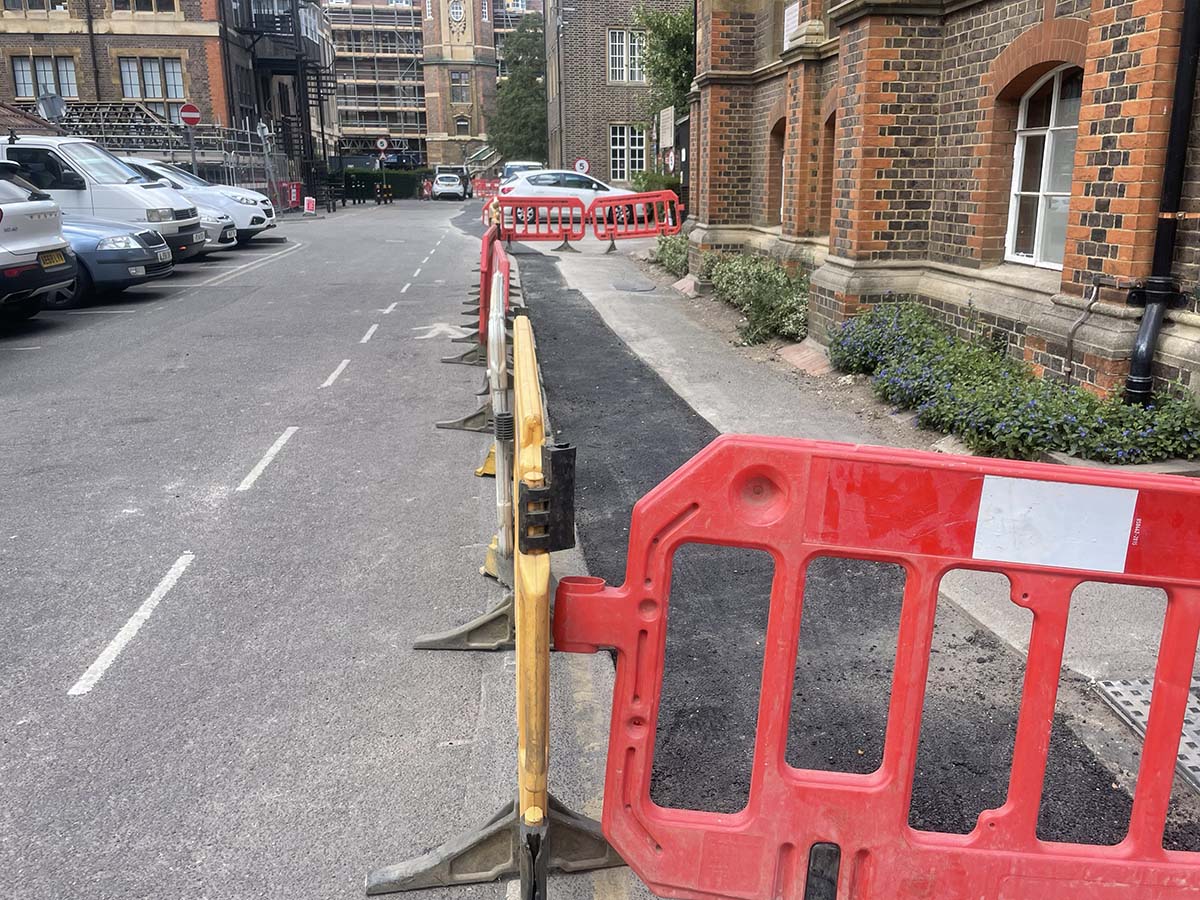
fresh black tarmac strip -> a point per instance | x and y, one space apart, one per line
632 431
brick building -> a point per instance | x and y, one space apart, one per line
237 60
999 161
420 74
596 93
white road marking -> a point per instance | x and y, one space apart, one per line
27 348
417 273
98 312
395 241
439 328
249 480
261 261
336 372
404 290
370 331
433 251
110 653
389 309
425 260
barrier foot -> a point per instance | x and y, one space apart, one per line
478 421
494 630
612 244
567 843
488 468
476 356
496 565
564 247
472 338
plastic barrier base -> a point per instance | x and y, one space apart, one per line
476 356
494 630
503 848
488 468
479 421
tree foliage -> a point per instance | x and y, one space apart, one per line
669 57
517 128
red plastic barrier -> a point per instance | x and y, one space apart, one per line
636 215
486 259
486 188
1047 528
542 218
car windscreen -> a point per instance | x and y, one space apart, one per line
186 177
102 166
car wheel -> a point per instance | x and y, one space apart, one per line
74 296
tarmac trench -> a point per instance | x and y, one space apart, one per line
632 430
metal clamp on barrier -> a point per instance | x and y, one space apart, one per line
546 514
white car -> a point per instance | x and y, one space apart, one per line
35 258
448 185
252 212
561 183
86 180
222 233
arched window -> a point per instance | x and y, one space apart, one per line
1043 165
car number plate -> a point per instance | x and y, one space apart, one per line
164 255
51 258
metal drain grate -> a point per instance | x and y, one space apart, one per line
1130 699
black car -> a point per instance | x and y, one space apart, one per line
111 257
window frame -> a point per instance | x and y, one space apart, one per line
621 157
35 79
166 83
129 7
1015 192
619 55
463 85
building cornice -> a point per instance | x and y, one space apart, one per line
849 10
775 69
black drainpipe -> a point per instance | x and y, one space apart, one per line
91 30
1161 290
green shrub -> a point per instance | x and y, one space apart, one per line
406 184
995 404
655 181
671 252
773 302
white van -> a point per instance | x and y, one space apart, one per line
86 180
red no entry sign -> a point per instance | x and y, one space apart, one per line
189 114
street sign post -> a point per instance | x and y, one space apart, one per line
189 115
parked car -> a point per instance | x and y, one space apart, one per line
252 212
515 166
111 256
219 228
86 180
449 185
460 172
35 258
556 183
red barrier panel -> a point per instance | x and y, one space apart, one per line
542 218
486 260
636 215
486 188
1047 528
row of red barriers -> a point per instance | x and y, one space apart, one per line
806 833
485 188
492 259
647 214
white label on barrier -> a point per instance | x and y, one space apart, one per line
1048 523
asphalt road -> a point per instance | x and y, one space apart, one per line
267 732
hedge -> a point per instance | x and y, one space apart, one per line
995 403
406 184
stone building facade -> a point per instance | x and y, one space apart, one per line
999 161
597 99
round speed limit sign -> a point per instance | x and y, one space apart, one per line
582 166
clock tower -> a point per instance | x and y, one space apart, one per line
460 77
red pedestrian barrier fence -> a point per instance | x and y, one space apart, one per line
640 215
542 218
1047 528
485 188
492 259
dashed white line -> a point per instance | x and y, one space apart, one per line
425 260
404 290
370 331
249 480
390 308
434 250
110 653
417 273
27 348
336 372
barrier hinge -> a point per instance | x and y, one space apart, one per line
546 518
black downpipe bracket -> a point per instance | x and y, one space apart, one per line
1161 291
